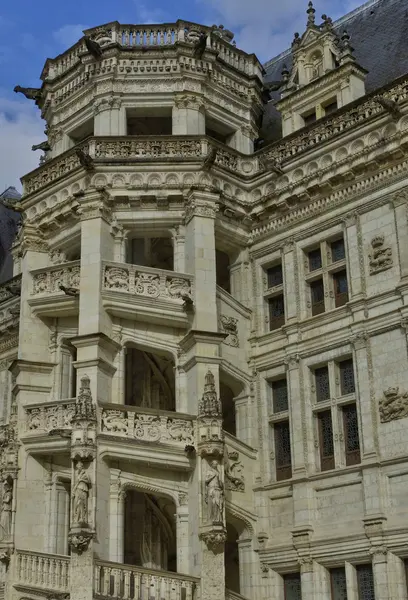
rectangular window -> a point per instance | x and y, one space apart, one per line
317 297
347 385
280 395
276 312
282 451
338 251
322 384
340 288
351 438
338 584
326 440
315 259
365 582
309 119
330 108
275 276
292 587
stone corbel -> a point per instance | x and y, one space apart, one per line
79 539
214 539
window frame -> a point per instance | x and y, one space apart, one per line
271 293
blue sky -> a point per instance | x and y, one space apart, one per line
31 31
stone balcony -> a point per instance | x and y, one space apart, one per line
10 307
113 580
47 299
38 572
154 295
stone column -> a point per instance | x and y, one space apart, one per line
380 572
364 368
188 115
290 268
297 415
353 240
240 278
182 532
243 418
200 257
351 582
400 203
178 236
243 139
116 518
110 117
307 576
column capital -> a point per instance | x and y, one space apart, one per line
201 204
96 204
359 340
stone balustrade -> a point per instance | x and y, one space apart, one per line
233 596
10 289
146 425
49 571
48 281
133 583
145 281
43 418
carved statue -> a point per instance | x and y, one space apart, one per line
200 46
29 93
6 507
93 47
80 495
45 146
214 496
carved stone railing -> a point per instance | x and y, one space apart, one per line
113 580
147 282
146 147
10 289
43 418
233 595
48 281
147 425
325 129
49 571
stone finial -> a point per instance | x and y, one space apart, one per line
327 22
210 404
84 406
311 14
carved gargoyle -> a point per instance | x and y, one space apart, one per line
269 165
69 291
29 93
188 303
11 206
93 47
200 46
210 159
390 106
44 146
84 159
268 88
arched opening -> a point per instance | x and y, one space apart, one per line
231 560
149 380
149 532
228 409
222 267
153 252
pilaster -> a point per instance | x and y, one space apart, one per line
188 115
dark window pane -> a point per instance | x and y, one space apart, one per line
309 119
347 385
351 438
340 288
365 582
315 260
338 251
276 312
280 395
275 276
338 584
326 440
330 108
292 586
322 384
282 451
317 296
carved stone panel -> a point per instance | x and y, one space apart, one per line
393 405
229 325
380 258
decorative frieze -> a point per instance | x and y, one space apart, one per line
147 148
142 281
146 427
50 280
229 326
393 405
43 418
380 257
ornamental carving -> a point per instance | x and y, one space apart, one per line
151 148
189 101
49 417
393 405
116 279
79 539
84 406
148 428
51 279
214 539
194 209
229 325
380 258
147 285
210 404
233 467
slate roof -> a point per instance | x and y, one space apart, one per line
11 194
379 36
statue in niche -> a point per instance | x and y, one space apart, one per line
81 495
214 495
6 507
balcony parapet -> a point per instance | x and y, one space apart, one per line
49 416
114 580
41 571
144 425
48 281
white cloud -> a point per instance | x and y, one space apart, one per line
149 15
266 27
20 127
68 35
